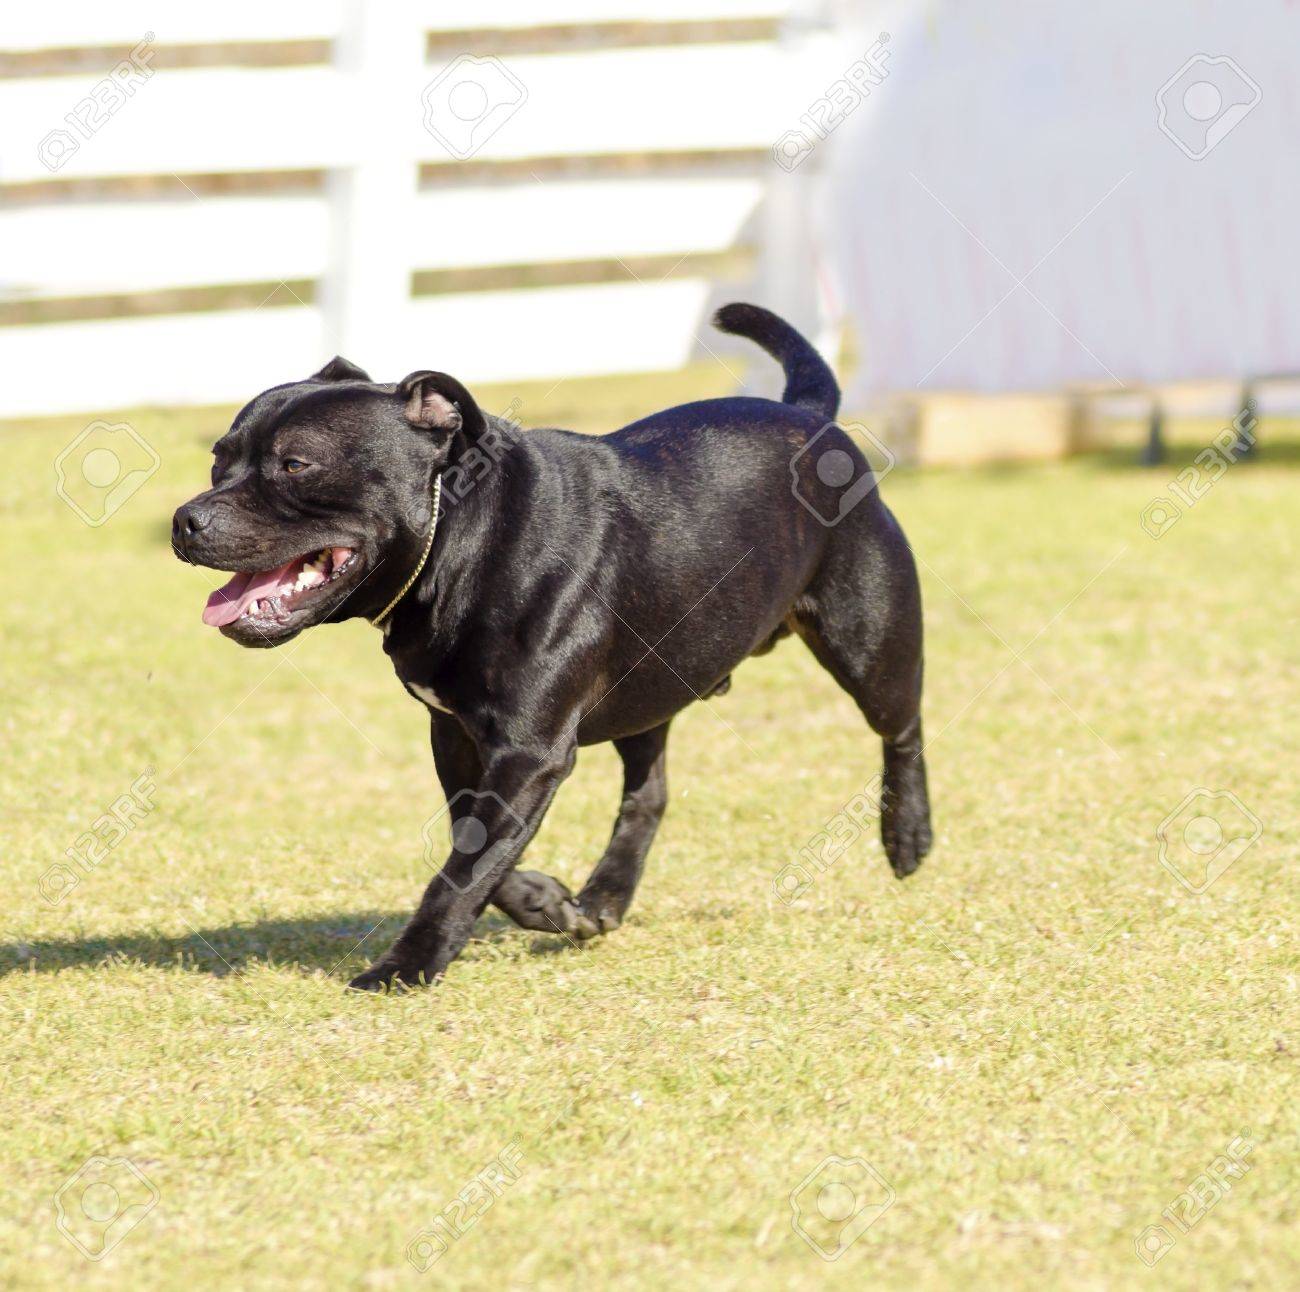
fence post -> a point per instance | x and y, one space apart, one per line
366 290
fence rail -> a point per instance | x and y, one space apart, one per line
611 144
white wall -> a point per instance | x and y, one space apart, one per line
1022 141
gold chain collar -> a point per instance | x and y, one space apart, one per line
378 620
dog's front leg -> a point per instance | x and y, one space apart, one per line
509 803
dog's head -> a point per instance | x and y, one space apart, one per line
321 498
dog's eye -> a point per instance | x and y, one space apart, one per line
294 465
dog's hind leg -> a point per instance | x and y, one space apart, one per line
608 892
531 899
861 617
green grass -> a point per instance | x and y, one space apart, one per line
1039 1041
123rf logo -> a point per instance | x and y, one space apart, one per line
837 1203
1204 835
102 468
101 1203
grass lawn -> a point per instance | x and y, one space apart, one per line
1037 1044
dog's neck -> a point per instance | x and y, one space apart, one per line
443 585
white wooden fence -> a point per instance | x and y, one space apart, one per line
261 184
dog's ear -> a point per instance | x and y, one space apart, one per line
339 369
436 402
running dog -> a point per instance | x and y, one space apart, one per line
539 591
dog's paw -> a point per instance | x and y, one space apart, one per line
907 839
602 912
580 924
385 976
536 901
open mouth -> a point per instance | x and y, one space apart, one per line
270 597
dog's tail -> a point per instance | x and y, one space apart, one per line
809 382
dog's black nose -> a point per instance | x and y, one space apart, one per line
189 520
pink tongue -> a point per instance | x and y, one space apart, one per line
228 603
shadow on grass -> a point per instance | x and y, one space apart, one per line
340 944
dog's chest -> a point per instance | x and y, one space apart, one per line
427 696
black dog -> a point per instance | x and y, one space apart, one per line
545 590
